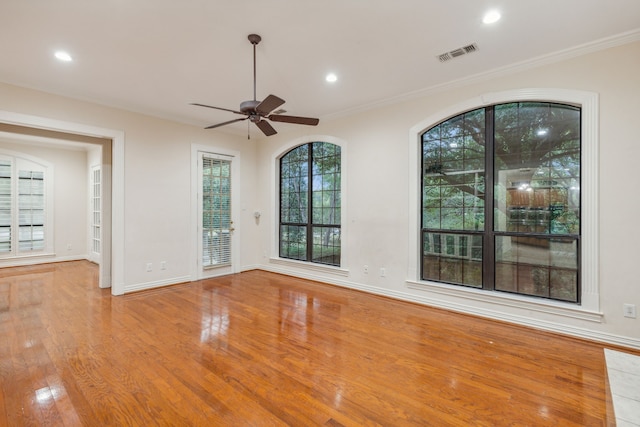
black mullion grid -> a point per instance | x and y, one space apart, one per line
283 223
310 222
310 200
309 225
488 242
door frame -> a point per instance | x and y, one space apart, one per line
112 266
197 271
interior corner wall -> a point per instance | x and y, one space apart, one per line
377 198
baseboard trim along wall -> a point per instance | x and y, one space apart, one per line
439 302
39 259
156 284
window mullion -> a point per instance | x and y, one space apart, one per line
310 201
488 256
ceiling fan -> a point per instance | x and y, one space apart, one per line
259 112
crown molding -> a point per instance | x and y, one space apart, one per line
558 56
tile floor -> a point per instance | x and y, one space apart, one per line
623 370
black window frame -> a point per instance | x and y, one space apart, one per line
489 232
310 224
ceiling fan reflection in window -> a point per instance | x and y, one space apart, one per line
259 112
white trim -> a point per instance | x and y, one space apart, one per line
112 266
157 284
449 296
275 194
310 266
42 259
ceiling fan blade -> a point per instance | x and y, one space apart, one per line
225 123
294 119
217 108
266 128
269 104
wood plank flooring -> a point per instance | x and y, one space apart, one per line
261 349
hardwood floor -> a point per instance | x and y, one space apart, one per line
261 349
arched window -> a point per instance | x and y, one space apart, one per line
501 205
310 203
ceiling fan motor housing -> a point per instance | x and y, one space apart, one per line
249 106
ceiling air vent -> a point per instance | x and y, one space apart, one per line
444 57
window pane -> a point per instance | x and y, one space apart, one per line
453 173
537 157
545 267
326 183
452 258
294 186
5 239
216 212
293 242
326 245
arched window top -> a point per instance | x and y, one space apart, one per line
587 102
310 203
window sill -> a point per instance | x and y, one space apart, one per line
521 302
321 268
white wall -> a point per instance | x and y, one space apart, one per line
157 176
70 196
157 205
377 199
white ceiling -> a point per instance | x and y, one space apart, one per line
157 56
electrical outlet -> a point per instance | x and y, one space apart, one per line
149 266
629 310
163 265
383 272
365 269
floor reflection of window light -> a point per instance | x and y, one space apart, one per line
46 395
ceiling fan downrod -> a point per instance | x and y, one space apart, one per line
254 39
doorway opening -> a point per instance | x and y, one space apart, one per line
109 146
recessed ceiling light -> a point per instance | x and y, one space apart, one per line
63 56
331 78
491 17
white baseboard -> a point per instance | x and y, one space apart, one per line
39 259
431 301
156 284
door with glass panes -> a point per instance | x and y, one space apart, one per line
215 216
